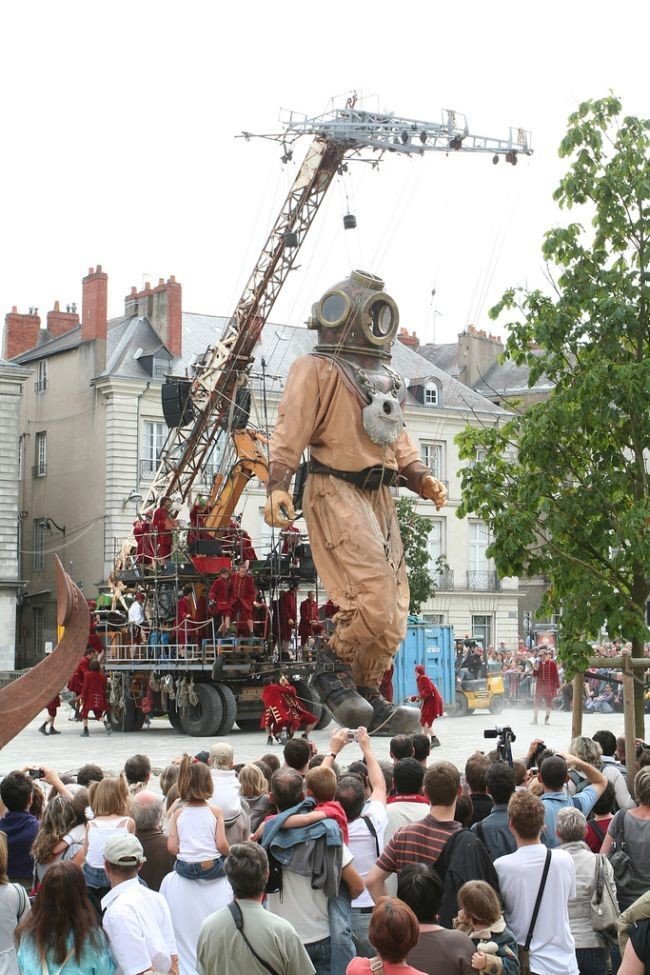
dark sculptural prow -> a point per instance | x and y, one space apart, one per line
22 700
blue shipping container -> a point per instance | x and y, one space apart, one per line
432 646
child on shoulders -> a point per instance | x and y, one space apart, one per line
197 830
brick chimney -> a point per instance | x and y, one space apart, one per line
21 333
59 322
411 340
94 314
166 316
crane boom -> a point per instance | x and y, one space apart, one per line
211 393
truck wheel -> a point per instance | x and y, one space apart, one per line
229 703
203 719
496 704
174 716
127 718
460 706
310 700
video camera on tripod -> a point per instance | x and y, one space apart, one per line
505 736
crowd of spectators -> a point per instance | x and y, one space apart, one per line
602 691
306 865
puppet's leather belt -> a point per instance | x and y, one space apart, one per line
369 479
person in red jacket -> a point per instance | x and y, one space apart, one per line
431 704
163 525
219 599
310 624
242 597
93 696
299 716
284 713
198 514
76 681
386 686
287 614
185 617
261 616
547 684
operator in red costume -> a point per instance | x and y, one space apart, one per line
284 712
343 402
163 525
547 684
287 615
310 624
431 704
219 600
242 597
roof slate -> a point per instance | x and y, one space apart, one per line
278 346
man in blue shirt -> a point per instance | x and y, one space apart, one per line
19 826
553 774
494 831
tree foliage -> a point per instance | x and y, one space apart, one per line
414 530
564 487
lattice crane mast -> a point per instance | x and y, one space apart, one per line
210 393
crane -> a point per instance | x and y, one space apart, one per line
211 395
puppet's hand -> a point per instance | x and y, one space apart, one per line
279 511
434 490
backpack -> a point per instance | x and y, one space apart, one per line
463 858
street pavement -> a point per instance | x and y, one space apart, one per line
459 737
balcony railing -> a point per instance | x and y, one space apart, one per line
444 580
147 469
482 580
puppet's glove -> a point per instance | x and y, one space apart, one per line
434 490
279 511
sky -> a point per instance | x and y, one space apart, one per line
119 122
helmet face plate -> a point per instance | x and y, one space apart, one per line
356 315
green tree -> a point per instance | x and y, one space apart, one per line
564 486
414 529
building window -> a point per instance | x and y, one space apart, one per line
431 394
482 630
433 457
37 621
434 545
153 441
21 457
161 366
40 458
435 619
38 553
41 376
480 570
479 539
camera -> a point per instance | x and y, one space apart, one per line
36 773
352 735
505 736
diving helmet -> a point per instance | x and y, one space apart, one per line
356 315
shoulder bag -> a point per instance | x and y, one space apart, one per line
604 909
238 918
524 950
620 860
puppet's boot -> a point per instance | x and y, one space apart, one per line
390 719
334 685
